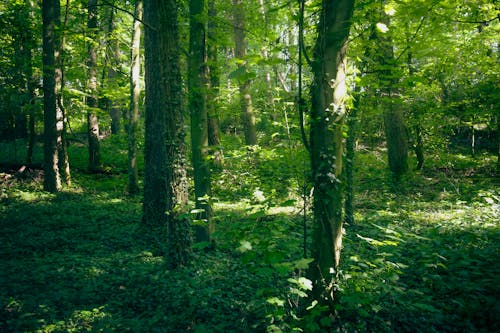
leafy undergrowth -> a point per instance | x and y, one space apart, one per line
421 257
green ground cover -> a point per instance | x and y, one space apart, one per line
421 256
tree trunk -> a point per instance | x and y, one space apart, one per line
197 85
213 91
247 114
51 81
135 91
177 194
165 181
113 54
92 101
395 130
327 117
419 147
269 98
62 120
395 133
155 177
352 123
30 81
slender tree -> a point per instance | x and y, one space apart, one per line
92 100
62 118
135 91
112 61
328 92
214 85
51 84
247 113
197 84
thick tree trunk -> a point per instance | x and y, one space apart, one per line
197 84
165 181
247 114
155 177
135 91
327 117
177 194
92 101
51 81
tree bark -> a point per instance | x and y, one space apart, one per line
135 91
327 117
62 120
395 130
92 100
51 81
247 114
197 84
155 177
165 181
213 90
177 195
113 54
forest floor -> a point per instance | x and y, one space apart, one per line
422 255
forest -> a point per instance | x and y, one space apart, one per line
249 166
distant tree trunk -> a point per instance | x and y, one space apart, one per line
213 91
197 85
135 92
113 54
92 101
51 81
395 130
62 119
269 104
165 181
498 144
395 133
419 147
328 92
247 114
352 123
30 81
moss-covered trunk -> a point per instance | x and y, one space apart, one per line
327 147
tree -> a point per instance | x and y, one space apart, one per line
112 59
197 85
214 83
92 100
135 91
247 113
328 93
395 131
51 86
165 183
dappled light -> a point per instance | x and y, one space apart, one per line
200 166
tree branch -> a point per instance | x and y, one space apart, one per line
109 4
